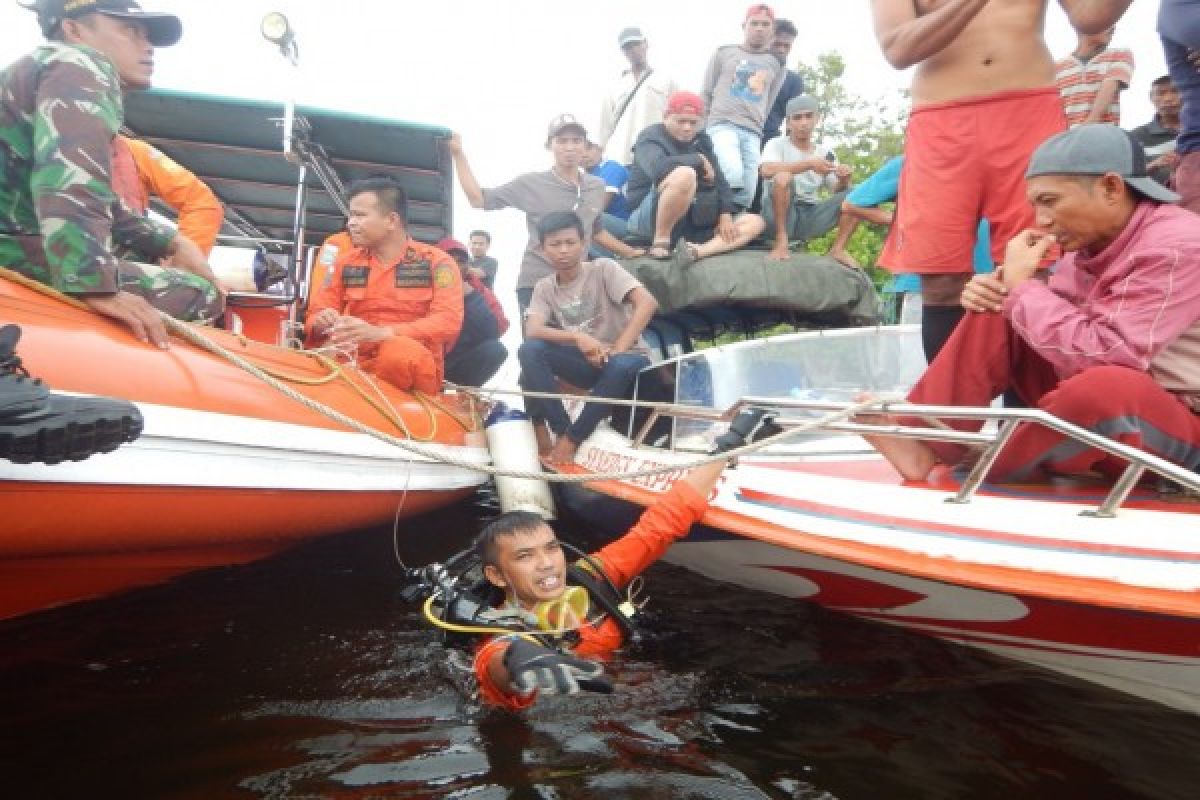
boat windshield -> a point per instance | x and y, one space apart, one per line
835 365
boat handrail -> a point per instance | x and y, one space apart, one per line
1008 419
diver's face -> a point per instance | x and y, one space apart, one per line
530 566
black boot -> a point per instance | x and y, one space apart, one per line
750 425
37 424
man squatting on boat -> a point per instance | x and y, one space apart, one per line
1111 342
60 107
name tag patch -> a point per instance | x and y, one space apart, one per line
413 275
355 277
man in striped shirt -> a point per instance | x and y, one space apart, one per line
1092 78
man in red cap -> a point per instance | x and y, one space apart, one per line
478 353
678 194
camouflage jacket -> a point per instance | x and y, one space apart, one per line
60 107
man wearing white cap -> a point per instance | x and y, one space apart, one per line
637 101
1111 342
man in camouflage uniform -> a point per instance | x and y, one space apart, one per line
60 107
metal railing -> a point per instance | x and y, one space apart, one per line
1008 421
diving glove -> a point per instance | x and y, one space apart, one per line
532 666
750 425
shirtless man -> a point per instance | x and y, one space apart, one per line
983 67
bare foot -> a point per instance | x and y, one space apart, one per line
779 252
563 451
844 258
912 458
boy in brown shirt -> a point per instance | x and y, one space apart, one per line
584 325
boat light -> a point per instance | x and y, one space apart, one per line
277 30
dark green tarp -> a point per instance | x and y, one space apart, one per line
804 284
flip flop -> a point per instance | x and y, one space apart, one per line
660 249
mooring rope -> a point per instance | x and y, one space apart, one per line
193 336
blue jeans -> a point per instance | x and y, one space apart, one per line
738 156
542 362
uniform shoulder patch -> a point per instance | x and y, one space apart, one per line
443 276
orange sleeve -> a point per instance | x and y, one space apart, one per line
660 526
489 692
336 245
329 296
200 213
443 323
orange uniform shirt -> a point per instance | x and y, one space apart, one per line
420 296
336 245
660 526
140 171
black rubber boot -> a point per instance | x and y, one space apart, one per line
37 424
750 425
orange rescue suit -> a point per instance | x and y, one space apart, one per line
140 171
660 526
327 256
419 298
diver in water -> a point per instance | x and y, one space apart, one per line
562 617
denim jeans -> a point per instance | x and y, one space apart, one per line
542 362
738 156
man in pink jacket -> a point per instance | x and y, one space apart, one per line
1110 342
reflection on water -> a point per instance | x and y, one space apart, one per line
306 676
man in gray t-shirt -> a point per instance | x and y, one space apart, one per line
794 169
563 187
740 86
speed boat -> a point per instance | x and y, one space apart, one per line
1095 580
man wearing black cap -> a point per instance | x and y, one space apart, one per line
60 107
638 101
1111 342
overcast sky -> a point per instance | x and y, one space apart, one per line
498 71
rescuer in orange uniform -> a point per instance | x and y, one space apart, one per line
396 300
140 171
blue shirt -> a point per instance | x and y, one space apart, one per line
1179 27
882 187
615 177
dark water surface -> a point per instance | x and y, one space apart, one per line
306 676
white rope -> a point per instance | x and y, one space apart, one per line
203 342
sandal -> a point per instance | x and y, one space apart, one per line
659 249
685 254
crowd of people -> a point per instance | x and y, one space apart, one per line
1108 337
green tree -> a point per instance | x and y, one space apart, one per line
864 134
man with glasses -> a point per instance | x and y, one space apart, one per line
563 187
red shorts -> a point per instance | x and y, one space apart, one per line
965 160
